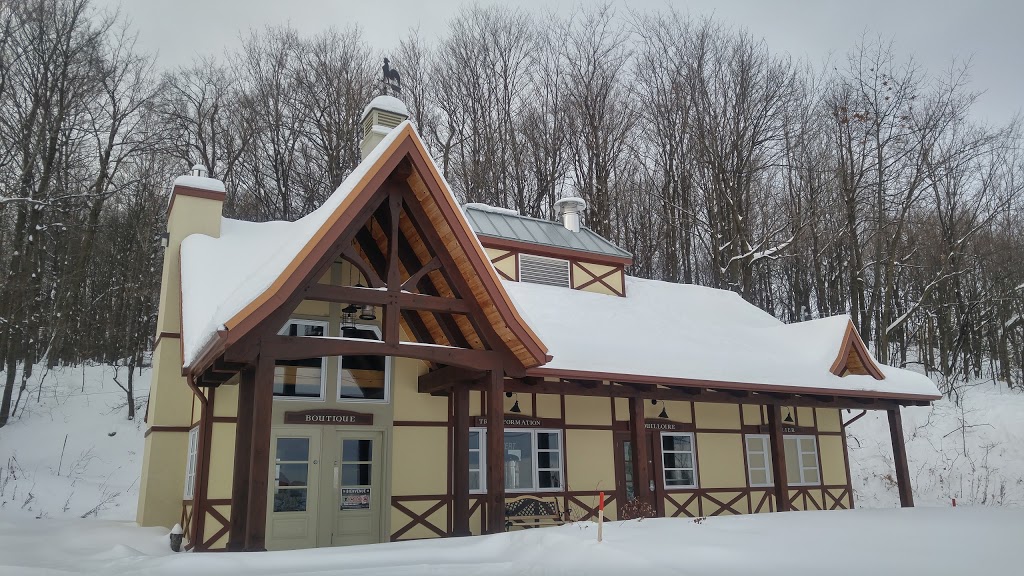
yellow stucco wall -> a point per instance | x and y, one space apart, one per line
170 400
717 416
720 460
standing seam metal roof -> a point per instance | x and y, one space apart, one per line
536 231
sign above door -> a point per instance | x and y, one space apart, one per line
327 417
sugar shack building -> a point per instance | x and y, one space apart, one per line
397 366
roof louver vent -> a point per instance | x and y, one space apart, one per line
541 270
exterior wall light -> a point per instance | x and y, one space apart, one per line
348 316
515 406
664 412
367 311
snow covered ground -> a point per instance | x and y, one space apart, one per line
936 541
974 452
74 453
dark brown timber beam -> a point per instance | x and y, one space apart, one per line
899 456
299 347
684 394
778 448
354 295
448 377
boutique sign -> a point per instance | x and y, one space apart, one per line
329 417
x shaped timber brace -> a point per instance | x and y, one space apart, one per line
407 302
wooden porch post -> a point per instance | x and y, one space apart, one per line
778 458
899 456
460 461
641 456
259 468
243 454
496 452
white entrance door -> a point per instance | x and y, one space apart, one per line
358 487
292 506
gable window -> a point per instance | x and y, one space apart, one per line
533 460
543 270
305 378
801 460
190 463
678 466
363 378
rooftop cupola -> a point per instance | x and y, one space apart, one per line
569 209
380 116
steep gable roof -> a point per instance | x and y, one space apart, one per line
232 283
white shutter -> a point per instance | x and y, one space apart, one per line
542 270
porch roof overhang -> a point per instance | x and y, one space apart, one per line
686 341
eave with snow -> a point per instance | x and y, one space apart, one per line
481 311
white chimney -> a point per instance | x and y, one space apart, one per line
380 116
569 209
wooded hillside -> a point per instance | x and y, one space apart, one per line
865 186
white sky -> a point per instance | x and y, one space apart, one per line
934 31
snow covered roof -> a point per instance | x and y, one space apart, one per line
253 255
501 223
667 332
227 281
387 104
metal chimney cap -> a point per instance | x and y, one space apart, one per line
571 204
199 170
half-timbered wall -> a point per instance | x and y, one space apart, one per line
583 274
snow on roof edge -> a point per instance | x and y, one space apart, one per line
255 254
199 182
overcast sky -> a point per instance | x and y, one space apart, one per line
990 32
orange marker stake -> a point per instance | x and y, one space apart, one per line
600 517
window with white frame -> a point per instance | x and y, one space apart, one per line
801 460
190 463
477 481
533 460
363 378
678 464
759 460
304 378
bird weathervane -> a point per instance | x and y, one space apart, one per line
392 81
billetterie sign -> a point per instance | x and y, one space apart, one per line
328 417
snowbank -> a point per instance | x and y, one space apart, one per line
917 541
74 453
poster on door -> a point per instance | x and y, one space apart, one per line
355 498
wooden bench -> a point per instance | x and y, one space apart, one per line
532 512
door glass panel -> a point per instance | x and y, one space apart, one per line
356 473
291 474
357 450
292 449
